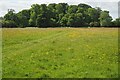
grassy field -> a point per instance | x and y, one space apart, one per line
60 53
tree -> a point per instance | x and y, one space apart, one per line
42 21
72 9
61 8
80 10
84 6
105 18
75 20
32 20
64 20
34 11
79 20
93 14
52 14
86 19
94 24
71 20
52 10
98 9
23 17
116 22
9 24
11 18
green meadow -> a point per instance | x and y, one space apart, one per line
60 52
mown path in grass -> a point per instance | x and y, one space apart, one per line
23 45
60 52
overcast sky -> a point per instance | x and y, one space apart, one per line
18 5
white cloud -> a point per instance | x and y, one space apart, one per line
25 4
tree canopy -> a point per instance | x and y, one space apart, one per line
59 15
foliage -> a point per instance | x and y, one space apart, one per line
9 24
23 17
60 15
116 22
94 24
105 18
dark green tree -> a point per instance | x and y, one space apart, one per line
75 20
72 9
84 6
34 11
61 8
105 19
116 22
9 24
11 18
64 20
23 17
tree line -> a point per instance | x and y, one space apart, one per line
59 15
